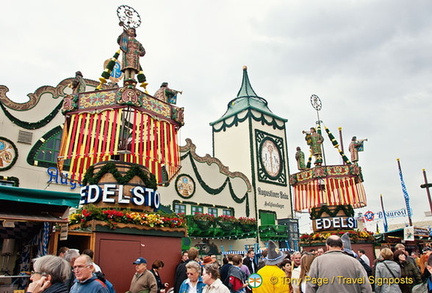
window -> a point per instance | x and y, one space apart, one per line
267 218
180 208
45 151
213 211
197 210
7 183
49 150
227 212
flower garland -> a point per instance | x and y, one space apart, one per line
115 216
354 235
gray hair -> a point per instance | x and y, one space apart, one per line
55 266
194 265
71 255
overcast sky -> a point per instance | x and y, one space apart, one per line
370 62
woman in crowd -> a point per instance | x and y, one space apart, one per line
386 270
49 275
285 265
408 270
305 265
194 282
211 279
156 267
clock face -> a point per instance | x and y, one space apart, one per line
270 158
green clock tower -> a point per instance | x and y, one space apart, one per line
253 140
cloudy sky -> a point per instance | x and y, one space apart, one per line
370 62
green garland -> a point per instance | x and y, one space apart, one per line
136 170
316 213
218 190
32 125
238 120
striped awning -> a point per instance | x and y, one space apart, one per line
329 191
136 135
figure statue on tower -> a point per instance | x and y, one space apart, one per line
314 140
164 93
300 158
132 50
356 146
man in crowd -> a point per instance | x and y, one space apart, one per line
273 278
250 262
86 281
224 270
180 274
334 268
142 279
363 256
237 278
71 255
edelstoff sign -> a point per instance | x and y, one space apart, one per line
323 224
116 194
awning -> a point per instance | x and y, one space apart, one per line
48 197
32 217
34 205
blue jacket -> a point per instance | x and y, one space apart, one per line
184 288
92 285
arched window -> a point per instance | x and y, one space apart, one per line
45 151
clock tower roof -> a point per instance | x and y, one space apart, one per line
246 99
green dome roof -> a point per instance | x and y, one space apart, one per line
246 99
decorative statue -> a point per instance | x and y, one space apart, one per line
132 51
78 85
300 158
314 140
355 147
164 93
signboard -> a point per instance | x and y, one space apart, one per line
409 233
371 216
421 232
323 224
139 196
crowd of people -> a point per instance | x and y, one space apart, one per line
337 268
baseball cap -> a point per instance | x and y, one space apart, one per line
139 260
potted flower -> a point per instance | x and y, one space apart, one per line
226 222
247 224
204 221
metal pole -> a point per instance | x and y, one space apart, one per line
427 185
341 142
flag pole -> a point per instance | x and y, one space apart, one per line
384 215
405 193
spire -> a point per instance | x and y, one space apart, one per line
246 89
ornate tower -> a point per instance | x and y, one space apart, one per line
253 139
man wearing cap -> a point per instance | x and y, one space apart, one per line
273 278
335 271
143 281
